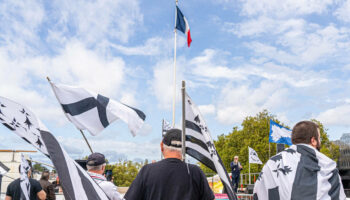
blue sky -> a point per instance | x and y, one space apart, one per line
290 57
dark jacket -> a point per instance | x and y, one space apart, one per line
48 188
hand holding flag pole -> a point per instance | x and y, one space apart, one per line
82 133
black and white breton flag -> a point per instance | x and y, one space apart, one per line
24 180
299 172
3 169
165 126
94 112
76 183
200 145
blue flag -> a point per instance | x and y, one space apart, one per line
279 134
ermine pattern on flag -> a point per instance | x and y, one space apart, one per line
76 183
24 180
253 156
200 145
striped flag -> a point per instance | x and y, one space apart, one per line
94 112
76 183
24 180
182 25
200 145
3 170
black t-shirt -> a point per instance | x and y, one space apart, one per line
14 189
169 179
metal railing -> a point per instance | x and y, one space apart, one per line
244 179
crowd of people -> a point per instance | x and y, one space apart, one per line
299 172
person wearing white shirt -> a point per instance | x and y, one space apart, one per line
96 165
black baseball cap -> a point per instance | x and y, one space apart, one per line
96 159
173 138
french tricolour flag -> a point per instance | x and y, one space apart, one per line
182 25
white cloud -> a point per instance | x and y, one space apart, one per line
153 46
23 79
207 109
284 8
162 84
237 102
94 21
337 116
208 66
342 13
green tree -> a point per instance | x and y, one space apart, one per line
39 168
124 172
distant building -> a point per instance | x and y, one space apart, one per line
344 161
12 159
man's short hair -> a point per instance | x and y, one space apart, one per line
235 157
95 168
303 132
45 175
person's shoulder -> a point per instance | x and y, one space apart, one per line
195 168
14 182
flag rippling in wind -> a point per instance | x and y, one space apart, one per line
279 134
94 112
76 183
253 156
165 126
182 25
24 180
3 170
200 145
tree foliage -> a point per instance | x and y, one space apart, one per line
39 168
255 134
124 172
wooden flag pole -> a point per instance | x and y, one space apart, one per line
87 142
183 139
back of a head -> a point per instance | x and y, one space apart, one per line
303 132
95 162
172 142
45 175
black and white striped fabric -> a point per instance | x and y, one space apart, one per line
165 126
76 183
3 169
24 180
94 112
200 145
299 172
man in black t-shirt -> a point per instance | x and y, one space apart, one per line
170 178
14 189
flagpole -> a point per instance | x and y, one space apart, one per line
87 142
183 139
174 97
268 126
249 164
161 154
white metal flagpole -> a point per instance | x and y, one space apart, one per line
249 164
174 98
